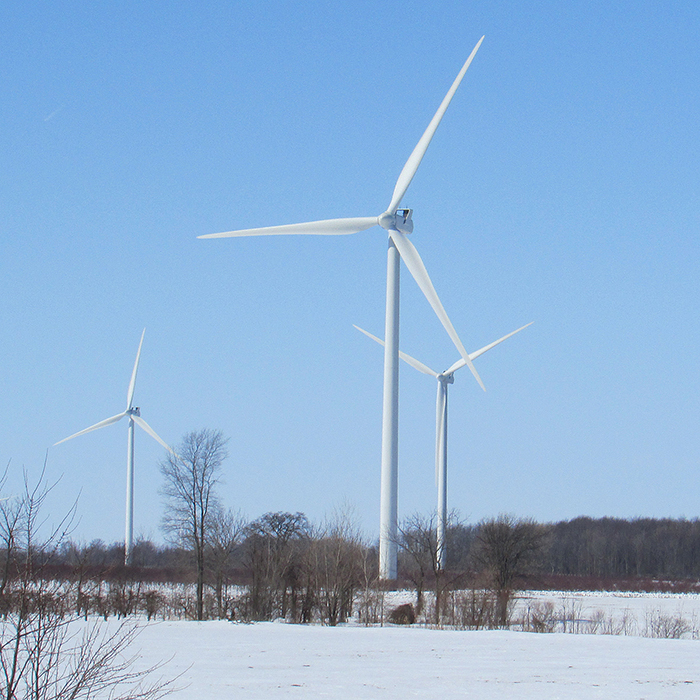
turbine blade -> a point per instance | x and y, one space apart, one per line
328 227
474 355
409 169
97 426
416 267
132 383
144 426
416 364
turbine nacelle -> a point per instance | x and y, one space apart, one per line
446 378
134 411
399 221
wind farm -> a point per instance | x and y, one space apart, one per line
399 224
546 174
555 189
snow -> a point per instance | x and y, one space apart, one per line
218 660
630 613
277 660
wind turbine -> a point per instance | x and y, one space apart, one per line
443 379
398 223
134 414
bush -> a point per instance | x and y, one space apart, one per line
403 615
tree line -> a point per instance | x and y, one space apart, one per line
280 565
621 548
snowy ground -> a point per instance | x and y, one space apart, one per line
628 613
687 604
269 660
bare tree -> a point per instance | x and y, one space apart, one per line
226 534
370 601
418 542
11 521
45 653
505 547
336 558
275 550
191 478
44 657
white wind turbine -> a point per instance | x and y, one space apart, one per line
134 414
398 223
443 379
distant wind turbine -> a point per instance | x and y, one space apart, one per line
443 379
397 222
134 414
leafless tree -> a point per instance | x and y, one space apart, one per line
226 534
11 521
191 479
417 540
505 547
44 656
370 603
275 554
76 556
45 652
336 558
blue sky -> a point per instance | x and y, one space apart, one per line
561 188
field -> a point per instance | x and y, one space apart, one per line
270 660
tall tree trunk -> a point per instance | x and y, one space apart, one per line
200 582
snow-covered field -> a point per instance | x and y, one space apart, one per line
674 615
270 660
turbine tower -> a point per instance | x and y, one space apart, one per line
398 223
443 380
134 414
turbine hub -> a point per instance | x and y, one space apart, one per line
135 411
386 221
447 378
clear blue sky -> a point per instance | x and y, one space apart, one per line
562 187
